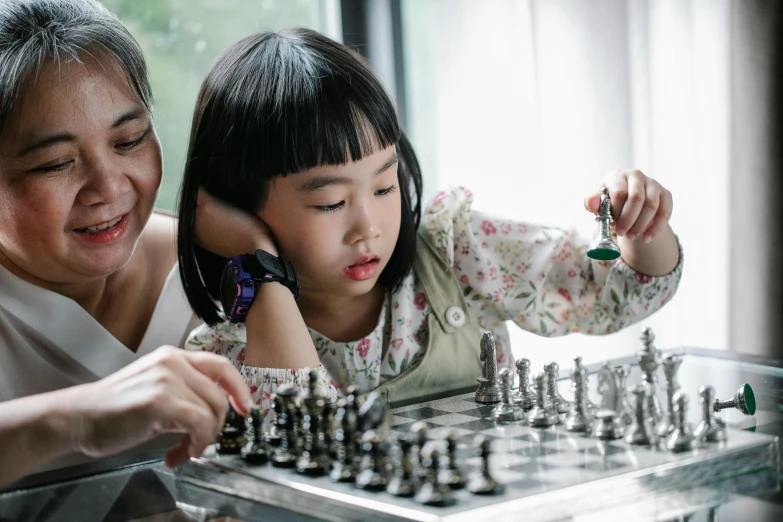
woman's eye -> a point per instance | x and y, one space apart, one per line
128 145
330 208
385 191
54 168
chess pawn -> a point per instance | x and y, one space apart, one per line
344 465
488 390
552 371
603 247
524 396
579 419
671 365
272 437
581 369
640 432
419 429
453 476
506 410
606 426
710 429
255 451
403 483
682 438
744 400
372 476
543 414
232 437
482 482
649 359
623 408
432 491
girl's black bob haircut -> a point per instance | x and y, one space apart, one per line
274 104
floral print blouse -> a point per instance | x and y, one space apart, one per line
538 277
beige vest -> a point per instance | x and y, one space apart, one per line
450 364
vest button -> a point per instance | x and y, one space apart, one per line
455 316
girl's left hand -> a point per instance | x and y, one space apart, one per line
641 207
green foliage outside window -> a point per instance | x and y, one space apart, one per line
180 39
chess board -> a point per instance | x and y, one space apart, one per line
549 473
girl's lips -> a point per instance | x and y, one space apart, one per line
362 271
108 235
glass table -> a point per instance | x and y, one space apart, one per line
143 489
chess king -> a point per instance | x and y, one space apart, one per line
333 261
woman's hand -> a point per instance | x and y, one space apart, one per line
168 391
229 231
641 207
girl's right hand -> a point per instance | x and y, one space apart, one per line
167 391
229 231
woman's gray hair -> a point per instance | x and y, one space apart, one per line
35 31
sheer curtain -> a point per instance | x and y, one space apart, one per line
529 103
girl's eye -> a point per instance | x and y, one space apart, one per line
385 191
129 145
331 208
54 168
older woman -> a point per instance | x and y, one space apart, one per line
88 282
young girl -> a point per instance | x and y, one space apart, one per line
295 129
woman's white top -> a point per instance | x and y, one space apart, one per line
48 341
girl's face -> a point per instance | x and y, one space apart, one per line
337 224
80 168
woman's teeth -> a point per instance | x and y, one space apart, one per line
98 228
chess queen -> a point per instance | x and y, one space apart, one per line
391 292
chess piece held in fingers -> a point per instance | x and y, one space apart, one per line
603 247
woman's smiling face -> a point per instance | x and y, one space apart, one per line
80 168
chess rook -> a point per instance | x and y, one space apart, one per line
524 397
671 365
488 390
710 429
507 410
744 400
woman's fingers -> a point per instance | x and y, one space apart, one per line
219 370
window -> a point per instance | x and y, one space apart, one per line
180 39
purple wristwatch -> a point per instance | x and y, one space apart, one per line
242 275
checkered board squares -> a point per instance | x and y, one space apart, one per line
546 471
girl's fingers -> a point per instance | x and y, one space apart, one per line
179 453
207 391
593 203
661 218
648 211
632 206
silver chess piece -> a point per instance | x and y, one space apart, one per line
552 371
453 476
506 410
603 246
542 414
373 473
606 426
649 359
744 400
580 419
432 492
641 431
612 396
682 438
671 365
711 428
488 390
256 450
482 482
623 406
524 395
403 483
579 367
